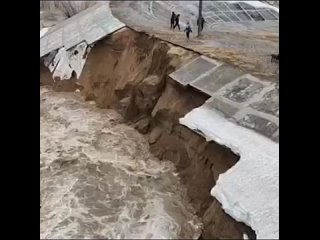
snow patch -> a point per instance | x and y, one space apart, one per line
249 191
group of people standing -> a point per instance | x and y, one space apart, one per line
175 21
175 18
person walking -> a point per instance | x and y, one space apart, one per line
177 22
173 18
188 30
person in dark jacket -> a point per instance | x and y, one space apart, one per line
188 30
177 22
201 22
173 18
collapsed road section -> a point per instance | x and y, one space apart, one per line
191 109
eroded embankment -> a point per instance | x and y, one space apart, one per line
128 71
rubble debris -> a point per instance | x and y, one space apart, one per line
63 63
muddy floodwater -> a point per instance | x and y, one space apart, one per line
98 179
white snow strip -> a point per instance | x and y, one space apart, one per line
249 191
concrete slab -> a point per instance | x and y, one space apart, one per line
63 69
243 90
65 62
238 96
94 34
191 71
78 57
43 44
84 26
228 110
72 40
216 79
269 103
259 124
53 40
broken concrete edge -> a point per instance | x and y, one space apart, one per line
239 96
249 191
53 60
202 54
67 62
170 42
91 44
101 24
109 34
63 63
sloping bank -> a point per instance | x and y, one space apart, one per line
128 71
